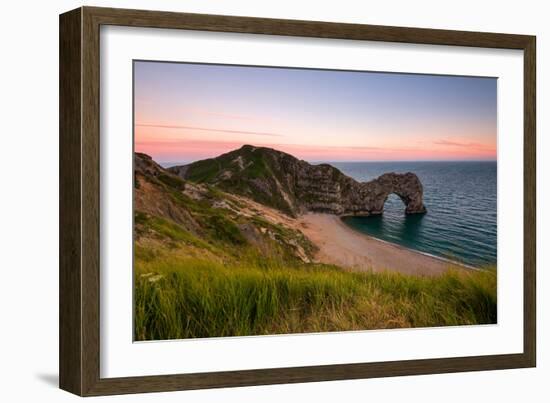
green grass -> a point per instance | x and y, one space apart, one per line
206 171
178 297
225 230
214 221
169 230
258 168
171 181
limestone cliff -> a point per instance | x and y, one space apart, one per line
279 180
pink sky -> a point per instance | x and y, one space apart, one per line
166 144
186 112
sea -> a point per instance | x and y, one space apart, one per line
461 200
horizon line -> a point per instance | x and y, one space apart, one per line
184 162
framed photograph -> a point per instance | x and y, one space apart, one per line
249 201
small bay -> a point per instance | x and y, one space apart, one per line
461 199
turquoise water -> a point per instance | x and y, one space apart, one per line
461 199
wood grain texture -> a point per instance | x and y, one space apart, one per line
80 196
530 202
70 274
90 202
316 29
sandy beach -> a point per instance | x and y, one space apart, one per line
338 244
343 246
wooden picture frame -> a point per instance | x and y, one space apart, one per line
79 347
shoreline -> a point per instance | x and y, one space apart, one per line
443 259
344 246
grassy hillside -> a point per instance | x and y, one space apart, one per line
180 297
249 171
202 220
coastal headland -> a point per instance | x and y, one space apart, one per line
309 199
245 246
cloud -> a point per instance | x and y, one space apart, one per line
224 115
208 129
360 148
460 144
204 144
196 149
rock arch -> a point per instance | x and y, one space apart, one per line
406 186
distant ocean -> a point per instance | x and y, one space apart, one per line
461 199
